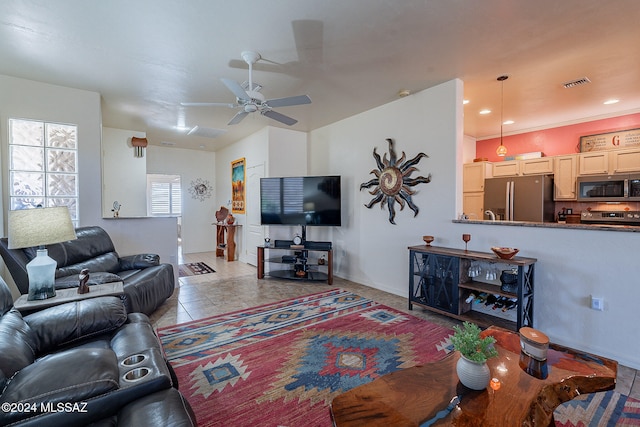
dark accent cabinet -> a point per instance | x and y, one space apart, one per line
440 281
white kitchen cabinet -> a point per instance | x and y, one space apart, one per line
564 177
540 166
625 160
473 176
506 168
595 162
609 162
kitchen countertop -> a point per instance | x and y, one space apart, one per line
594 227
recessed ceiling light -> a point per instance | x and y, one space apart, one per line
167 143
485 111
508 122
611 101
465 101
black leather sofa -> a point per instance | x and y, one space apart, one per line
147 282
85 363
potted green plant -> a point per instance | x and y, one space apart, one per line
472 368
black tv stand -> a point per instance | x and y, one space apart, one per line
295 262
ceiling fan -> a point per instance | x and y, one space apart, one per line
249 99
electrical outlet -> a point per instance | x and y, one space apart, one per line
597 303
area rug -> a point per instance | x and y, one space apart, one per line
194 269
282 364
599 410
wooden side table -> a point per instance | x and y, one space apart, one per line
68 295
230 244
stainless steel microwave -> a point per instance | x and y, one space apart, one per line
609 188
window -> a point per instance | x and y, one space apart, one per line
43 165
164 195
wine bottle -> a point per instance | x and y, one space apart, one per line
491 299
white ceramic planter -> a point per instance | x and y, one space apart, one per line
473 375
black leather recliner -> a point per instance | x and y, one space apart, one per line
85 362
147 283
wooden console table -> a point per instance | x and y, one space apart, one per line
228 244
415 395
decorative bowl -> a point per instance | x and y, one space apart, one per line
428 239
504 253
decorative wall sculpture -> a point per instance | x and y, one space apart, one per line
200 189
392 181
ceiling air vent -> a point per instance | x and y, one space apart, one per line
577 82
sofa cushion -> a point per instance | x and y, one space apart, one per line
105 262
95 278
17 344
65 324
90 243
71 376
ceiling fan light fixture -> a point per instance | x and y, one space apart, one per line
501 150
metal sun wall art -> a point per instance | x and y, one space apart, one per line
392 181
200 189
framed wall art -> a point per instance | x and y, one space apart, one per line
238 175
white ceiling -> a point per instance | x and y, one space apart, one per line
145 57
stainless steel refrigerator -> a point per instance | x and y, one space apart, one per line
521 198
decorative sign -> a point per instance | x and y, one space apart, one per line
393 179
237 186
610 140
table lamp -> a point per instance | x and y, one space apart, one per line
40 227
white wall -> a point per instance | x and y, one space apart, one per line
369 249
572 264
281 152
198 235
124 176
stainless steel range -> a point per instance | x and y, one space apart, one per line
611 217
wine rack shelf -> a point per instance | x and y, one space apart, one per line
439 281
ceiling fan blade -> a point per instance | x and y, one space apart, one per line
272 67
280 117
289 101
236 89
238 118
208 104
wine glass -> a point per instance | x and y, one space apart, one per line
466 238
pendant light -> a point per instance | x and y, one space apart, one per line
501 150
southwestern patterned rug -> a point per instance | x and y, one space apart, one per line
194 269
281 364
599 409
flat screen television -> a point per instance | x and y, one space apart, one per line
300 200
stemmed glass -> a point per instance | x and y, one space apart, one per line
466 238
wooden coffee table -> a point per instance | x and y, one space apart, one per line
412 396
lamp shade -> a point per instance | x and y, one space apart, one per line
39 227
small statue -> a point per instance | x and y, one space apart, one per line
84 278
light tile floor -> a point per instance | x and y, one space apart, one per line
234 286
